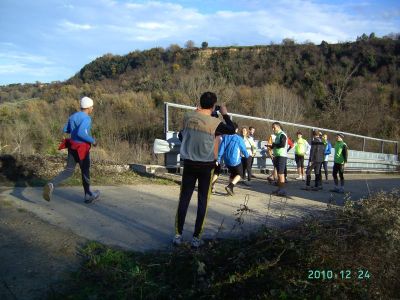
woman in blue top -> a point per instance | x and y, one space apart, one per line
328 151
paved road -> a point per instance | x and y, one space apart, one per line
142 217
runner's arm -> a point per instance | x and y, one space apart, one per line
221 150
67 128
225 128
345 153
83 131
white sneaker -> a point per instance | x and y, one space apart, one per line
196 243
90 198
299 178
177 240
48 191
304 178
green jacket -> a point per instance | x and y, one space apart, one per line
280 144
300 147
341 153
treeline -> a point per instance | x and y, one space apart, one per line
347 86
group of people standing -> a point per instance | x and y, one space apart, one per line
206 143
238 152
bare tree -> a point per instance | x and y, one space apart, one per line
189 44
342 86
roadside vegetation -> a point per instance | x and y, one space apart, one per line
35 170
359 243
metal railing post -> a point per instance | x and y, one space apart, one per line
396 146
382 146
166 121
363 147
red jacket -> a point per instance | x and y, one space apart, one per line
290 143
82 148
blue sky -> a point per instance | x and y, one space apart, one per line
47 40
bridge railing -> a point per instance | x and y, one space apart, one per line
358 159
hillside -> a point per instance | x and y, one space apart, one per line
348 86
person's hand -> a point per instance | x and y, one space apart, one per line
223 109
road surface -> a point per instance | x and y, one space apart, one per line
142 217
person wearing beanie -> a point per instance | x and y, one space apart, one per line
78 145
340 160
316 158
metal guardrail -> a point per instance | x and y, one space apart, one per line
357 159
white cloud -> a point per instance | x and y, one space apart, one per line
24 57
163 22
152 25
70 26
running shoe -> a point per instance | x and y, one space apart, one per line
177 240
229 190
90 198
196 243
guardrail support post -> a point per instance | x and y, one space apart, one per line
396 149
166 119
382 147
363 148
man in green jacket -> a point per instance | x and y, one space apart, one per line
340 160
279 148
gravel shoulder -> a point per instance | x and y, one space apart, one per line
35 255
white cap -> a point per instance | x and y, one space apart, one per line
86 102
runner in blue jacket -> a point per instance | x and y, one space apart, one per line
230 149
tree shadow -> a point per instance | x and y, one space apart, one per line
20 177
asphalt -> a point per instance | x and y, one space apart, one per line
142 217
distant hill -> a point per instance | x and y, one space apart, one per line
353 86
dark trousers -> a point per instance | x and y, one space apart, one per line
316 166
247 163
325 165
84 165
338 168
191 174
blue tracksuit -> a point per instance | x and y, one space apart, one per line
328 148
79 125
230 148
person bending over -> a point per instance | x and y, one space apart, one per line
231 149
